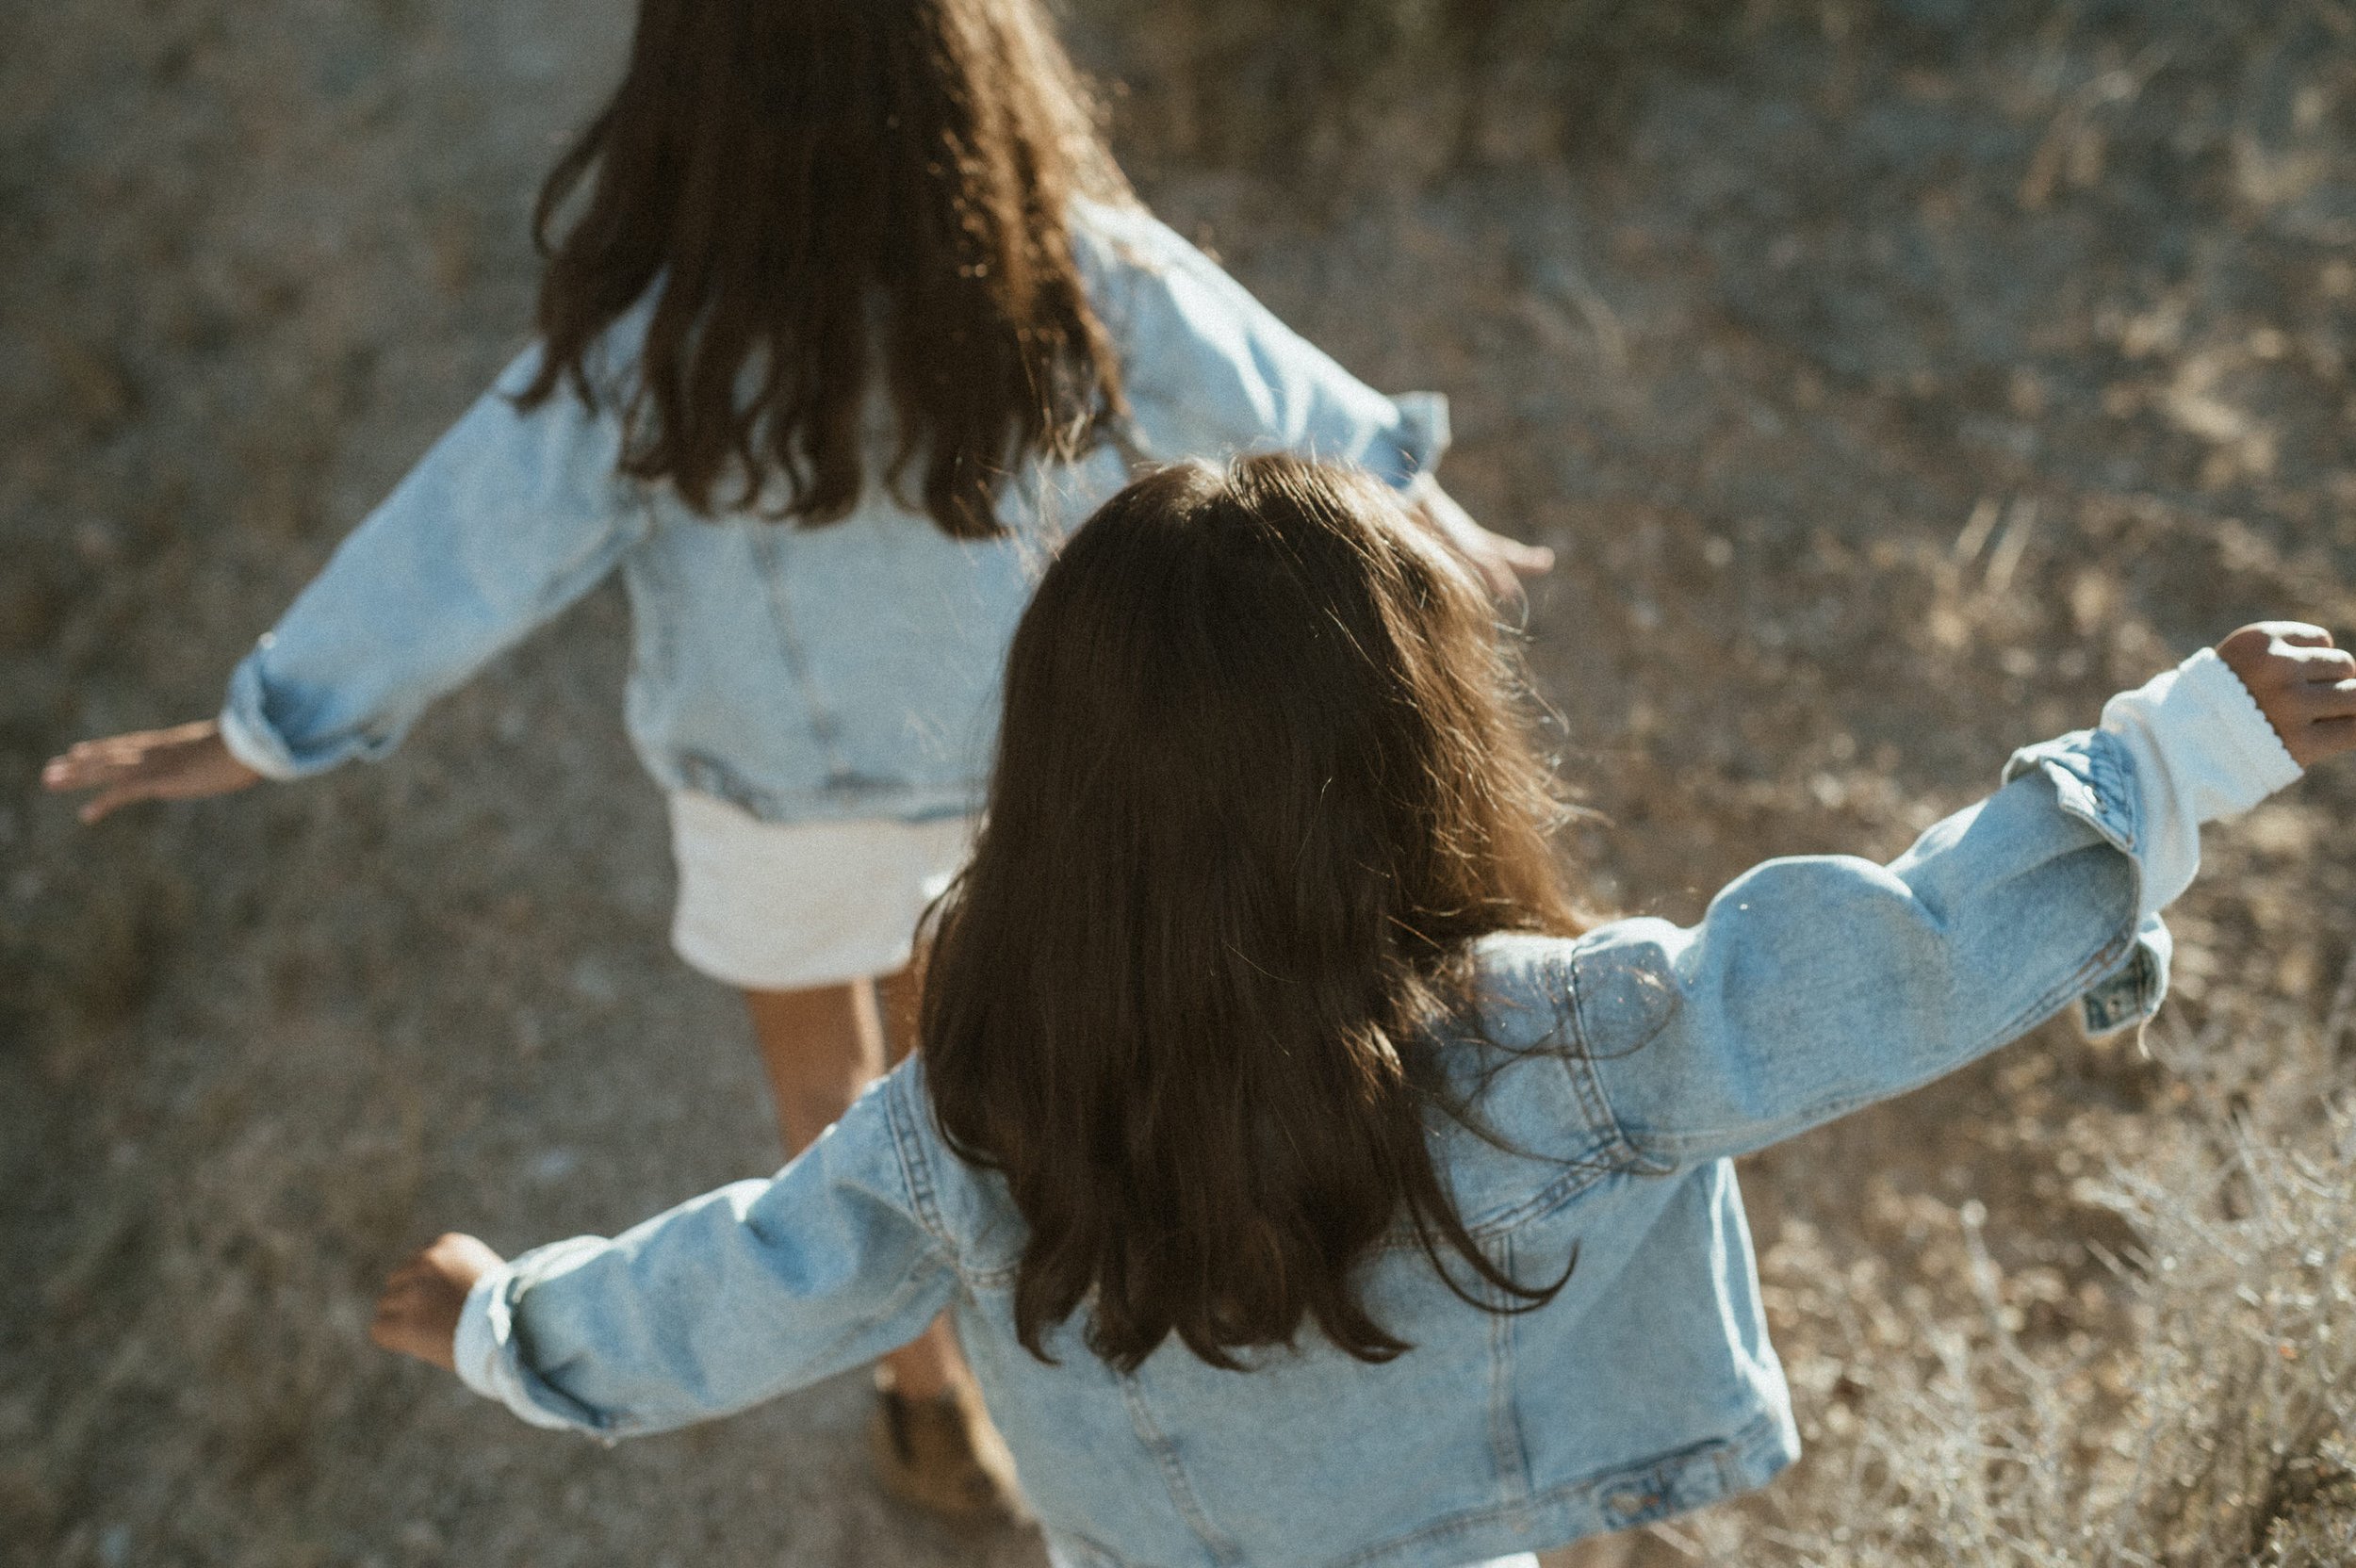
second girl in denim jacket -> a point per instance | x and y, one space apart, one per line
1308 1191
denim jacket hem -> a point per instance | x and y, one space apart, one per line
1625 1497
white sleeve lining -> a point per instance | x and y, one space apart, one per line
2203 752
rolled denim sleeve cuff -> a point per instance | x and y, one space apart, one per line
247 734
1416 443
2095 776
490 1362
480 1342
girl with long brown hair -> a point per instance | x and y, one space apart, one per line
1306 1186
847 311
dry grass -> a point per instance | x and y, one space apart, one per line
1896 380
2205 1421
1387 91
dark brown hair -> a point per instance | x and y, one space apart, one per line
1262 776
821 189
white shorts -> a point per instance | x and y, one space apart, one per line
781 907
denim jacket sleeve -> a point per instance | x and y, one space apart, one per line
1816 984
730 1299
1210 372
508 519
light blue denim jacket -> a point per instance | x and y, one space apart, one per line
843 671
1629 1067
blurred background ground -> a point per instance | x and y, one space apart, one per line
1896 381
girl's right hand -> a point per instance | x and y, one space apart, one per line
188 761
418 1311
2305 686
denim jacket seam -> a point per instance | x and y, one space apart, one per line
1507 1451
627 525
910 1287
817 714
1588 1084
647 574
1098 1552
1174 1477
1587 1171
996 1276
916 1170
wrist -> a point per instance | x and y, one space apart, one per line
245 745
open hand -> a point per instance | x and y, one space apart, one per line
417 1313
1499 562
2305 686
185 762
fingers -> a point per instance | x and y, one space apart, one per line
417 1313
185 762
106 801
2324 738
460 1258
1501 563
2322 699
396 1305
2319 665
119 779
2302 683
1527 559
88 764
93 764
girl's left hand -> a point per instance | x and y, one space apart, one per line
417 1313
1499 562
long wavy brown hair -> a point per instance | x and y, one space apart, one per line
1265 772
831 195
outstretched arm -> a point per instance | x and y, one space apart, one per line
512 515
1819 984
728 1299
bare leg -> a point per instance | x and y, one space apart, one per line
821 1047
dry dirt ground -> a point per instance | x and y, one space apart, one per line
1895 388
